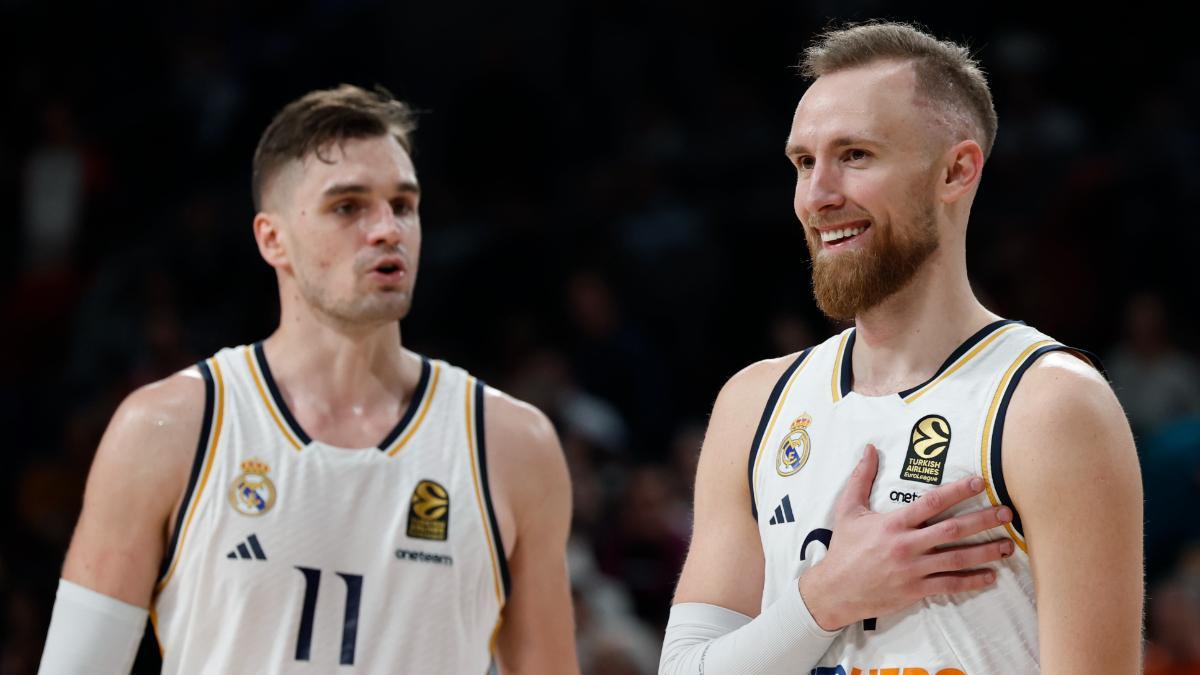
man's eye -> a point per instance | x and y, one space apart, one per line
345 208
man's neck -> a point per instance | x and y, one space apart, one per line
346 385
901 342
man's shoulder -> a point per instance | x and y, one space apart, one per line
751 387
1066 405
1063 381
163 408
152 437
517 426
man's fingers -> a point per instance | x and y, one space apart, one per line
953 529
965 557
936 501
857 492
956 582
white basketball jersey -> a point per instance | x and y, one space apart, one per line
812 434
293 556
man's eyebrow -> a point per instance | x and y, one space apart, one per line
839 142
339 189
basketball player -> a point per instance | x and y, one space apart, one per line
324 500
934 491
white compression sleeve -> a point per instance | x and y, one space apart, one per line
713 640
91 633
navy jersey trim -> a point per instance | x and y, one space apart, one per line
417 397
481 448
846 379
996 460
210 397
765 420
261 357
975 339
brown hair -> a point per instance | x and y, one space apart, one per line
312 122
946 72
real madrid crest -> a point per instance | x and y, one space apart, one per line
253 494
794 449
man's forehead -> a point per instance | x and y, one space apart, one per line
362 161
870 101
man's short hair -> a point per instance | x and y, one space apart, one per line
947 74
310 123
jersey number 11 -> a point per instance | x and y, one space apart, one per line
312 582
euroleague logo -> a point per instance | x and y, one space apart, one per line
429 512
927 450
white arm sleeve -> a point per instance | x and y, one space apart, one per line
713 640
91 633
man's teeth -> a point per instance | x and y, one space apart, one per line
834 235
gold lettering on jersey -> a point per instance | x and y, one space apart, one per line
795 447
429 512
927 450
252 493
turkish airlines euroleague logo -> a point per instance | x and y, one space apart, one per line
927 450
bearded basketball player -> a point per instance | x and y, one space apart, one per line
936 490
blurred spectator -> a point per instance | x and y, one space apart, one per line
1156 381
611 639
1174 621
646 541
54 189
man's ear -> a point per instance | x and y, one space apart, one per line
268 235
961 169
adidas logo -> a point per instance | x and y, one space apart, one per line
783 512
248 550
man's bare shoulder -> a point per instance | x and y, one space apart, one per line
1064 421
741 403
1062 387
758 379
518 432
159 421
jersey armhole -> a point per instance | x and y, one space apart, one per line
481 458
995 459
190 495
765 421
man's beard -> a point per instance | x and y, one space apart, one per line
848 283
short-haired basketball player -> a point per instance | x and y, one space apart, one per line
324 501
936 490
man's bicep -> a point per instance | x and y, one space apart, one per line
537 632
136 478
1073 474
529 471
724 565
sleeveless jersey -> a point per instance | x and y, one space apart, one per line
811 436
290 555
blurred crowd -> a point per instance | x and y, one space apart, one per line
608 235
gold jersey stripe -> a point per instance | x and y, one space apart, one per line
287 433
487 526
416 423
775 413
986 442
837 368
962 361
215 435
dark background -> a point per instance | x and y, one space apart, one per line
608 234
